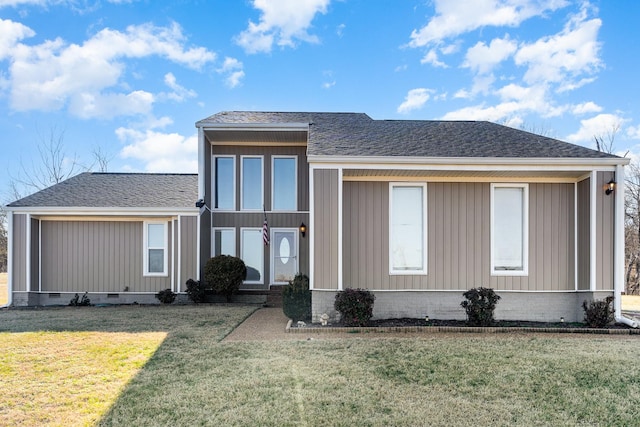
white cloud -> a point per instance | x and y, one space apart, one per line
160 152
586 107
54 74
633 132
432 58
233 70
282 22
179 93
595 126
10 34
415 99
455 17
482 58
563 56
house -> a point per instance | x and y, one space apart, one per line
416 211
121 237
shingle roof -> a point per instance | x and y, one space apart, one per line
119 190
356 134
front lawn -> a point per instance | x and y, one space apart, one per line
184 374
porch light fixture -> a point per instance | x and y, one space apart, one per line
303 229
610 187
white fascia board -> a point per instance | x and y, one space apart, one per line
111 211
253 126
468 163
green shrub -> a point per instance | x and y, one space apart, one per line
355 306
224 274
598 313
166 296
196 291
296 298
480 304
77 301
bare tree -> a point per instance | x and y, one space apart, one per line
605 141
632 229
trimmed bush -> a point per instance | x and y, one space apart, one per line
355 306
196 291
480 304
296 298
598 313
224 274
166 296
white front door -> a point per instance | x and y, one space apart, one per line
284 255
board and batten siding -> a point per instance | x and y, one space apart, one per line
189 249
97 256
605 224
458 239
325 228
584 231
19 267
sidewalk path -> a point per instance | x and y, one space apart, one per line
265 324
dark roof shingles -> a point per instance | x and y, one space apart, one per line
117 190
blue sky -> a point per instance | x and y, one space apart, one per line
132 77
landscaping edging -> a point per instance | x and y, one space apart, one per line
452 329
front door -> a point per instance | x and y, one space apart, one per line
284 255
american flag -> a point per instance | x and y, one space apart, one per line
265 230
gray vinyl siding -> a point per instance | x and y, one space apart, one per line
97 256
605 207
268 153
325 229
35 254
189 248
458 239
584 231
19 271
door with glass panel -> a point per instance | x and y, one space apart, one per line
284 255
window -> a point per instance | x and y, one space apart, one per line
284 254
284 184
155 248
224 183
407 236
509 229
223 241
252 253
252 183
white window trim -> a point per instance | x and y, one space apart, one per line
213 181
242 182
146 248
525 237
213 239
273 182
424 226
296 233
242 230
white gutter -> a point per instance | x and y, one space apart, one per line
618 251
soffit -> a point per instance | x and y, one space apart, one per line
252 137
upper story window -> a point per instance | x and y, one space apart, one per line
509 229
224 183
284 193
252 197
155 248
407 234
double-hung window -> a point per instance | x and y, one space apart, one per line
155 248
284 185
509 229
224 183
252 176
407 228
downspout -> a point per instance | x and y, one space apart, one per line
9 258
618 251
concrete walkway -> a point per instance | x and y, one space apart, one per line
265 324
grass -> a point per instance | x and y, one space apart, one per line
631 302
4 297
168 366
